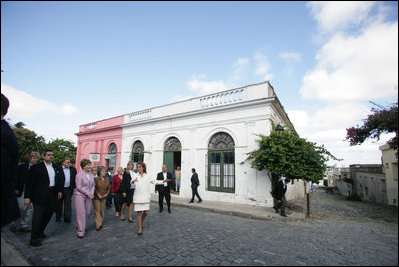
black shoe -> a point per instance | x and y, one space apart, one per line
169 211
58 219
283 214
35 243
192 201
42 235
67 221
199 201
79 236
161 210
276 209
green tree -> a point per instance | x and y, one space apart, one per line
381 120
286 154
62 149
28 141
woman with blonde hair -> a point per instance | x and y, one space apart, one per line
142 196
101 192
127 189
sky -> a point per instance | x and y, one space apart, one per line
70 63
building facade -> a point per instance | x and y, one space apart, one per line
369 181
212 134
390 167
101 142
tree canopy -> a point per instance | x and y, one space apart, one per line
381 120
62 149
290 156
28 141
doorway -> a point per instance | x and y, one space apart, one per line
172 157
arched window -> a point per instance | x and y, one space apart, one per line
172 144
112 155
172 153
221 163
137 153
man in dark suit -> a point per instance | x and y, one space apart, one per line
9 168
45 187
279 195
194 186
164 189
69 174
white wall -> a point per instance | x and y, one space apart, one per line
195 127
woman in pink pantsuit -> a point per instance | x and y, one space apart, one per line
84 193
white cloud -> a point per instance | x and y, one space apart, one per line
262 66
290 59
363 67
240 71
351 68
24 105
339 15
290 56
198 84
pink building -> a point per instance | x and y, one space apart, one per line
100 142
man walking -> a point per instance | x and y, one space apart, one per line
45 187
164 189
194 186
69 173
9 168
279 195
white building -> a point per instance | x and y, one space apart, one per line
390 167
212 134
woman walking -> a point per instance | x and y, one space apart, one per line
84 193
127 188
101 192
142 196
116 190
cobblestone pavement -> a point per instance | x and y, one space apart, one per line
340 232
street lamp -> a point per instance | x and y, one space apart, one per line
279 130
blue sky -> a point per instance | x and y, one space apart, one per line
70 63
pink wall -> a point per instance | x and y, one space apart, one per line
96 138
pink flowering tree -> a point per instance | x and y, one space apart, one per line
381 120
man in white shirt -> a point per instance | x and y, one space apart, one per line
69 173
45 187
164 189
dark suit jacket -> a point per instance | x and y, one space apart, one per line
160 187
194 180
38 187
279 190
125 183
9 173
72 170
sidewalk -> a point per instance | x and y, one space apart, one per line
11 254
240 210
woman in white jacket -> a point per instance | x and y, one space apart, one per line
142 194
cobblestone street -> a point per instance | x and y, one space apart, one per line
340 233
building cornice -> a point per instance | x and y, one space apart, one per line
228 107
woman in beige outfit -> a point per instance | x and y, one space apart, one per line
100 196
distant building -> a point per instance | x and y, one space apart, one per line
212 133
390 167
340 176
370 183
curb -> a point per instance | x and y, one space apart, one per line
265 217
